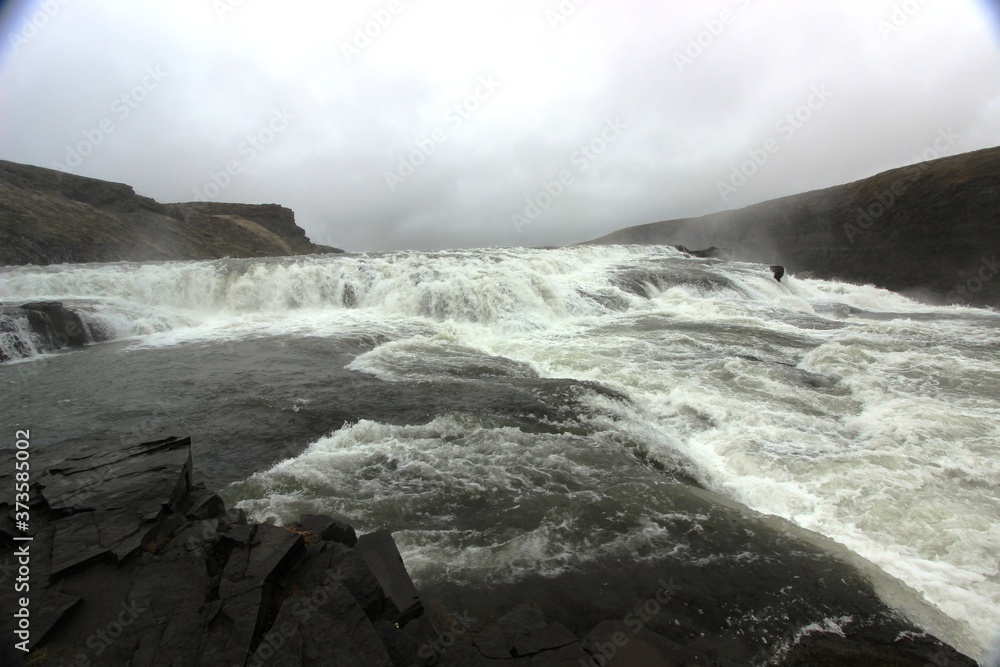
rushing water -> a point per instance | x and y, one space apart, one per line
417 391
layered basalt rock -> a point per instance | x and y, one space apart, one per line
51 217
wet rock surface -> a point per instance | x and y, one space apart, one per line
42 326
133 562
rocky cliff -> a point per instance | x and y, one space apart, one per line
50 217
931 230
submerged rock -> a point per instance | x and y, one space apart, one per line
707 253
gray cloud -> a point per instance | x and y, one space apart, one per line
700 88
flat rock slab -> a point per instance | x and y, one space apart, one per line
142 478
77 541
133 564
382 556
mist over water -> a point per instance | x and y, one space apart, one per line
427 393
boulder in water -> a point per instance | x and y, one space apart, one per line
41 326
58 327
707 253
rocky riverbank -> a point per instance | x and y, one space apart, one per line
51 217
928 230
133 562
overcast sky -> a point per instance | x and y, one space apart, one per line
392 124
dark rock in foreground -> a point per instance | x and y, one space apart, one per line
51 217
133 563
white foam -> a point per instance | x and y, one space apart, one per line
899 460
16 342
993 657
826 626
425 481
855 412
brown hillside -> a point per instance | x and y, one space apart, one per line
50 217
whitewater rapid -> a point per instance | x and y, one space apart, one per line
851 411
